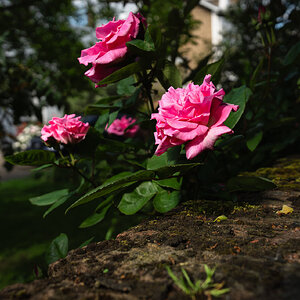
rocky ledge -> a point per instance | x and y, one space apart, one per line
255 252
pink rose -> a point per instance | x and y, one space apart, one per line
66 130
111 50
193 116
119 126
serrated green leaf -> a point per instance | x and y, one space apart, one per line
214 69
174 183
238 96
145 46
49 198
95 218
126 71
58 249
170 76
253 142
156 162
126 86
168 171
134 201
123 180
249 184
165 200
31 158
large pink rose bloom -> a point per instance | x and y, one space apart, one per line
193 116
112 47
66 130
119 127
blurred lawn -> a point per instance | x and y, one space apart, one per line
25 235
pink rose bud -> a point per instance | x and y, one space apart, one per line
66 130
119 127
106 54
193 116
261 12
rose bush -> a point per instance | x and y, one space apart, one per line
66 130
112 49
119 126
193 116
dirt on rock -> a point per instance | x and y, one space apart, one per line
255 252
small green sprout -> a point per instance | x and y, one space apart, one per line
206 287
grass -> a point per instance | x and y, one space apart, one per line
25 235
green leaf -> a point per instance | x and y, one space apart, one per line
102 121
220 218
112 117
174 183
168 171
58 249
249 184
95 218
56 204
217 293
156 162
144 46
165 201
156 37
134 201
170 157
255 73
41 167
126 86
95 109
126 71
170 76
292 55
253 142
31 158
213 69
238 96
119 181
49 198
85 243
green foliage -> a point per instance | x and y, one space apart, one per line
126 71
49 198
206 287
134 201
238 96
170 76
253 142
58 249
214 69
31 158
165 200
